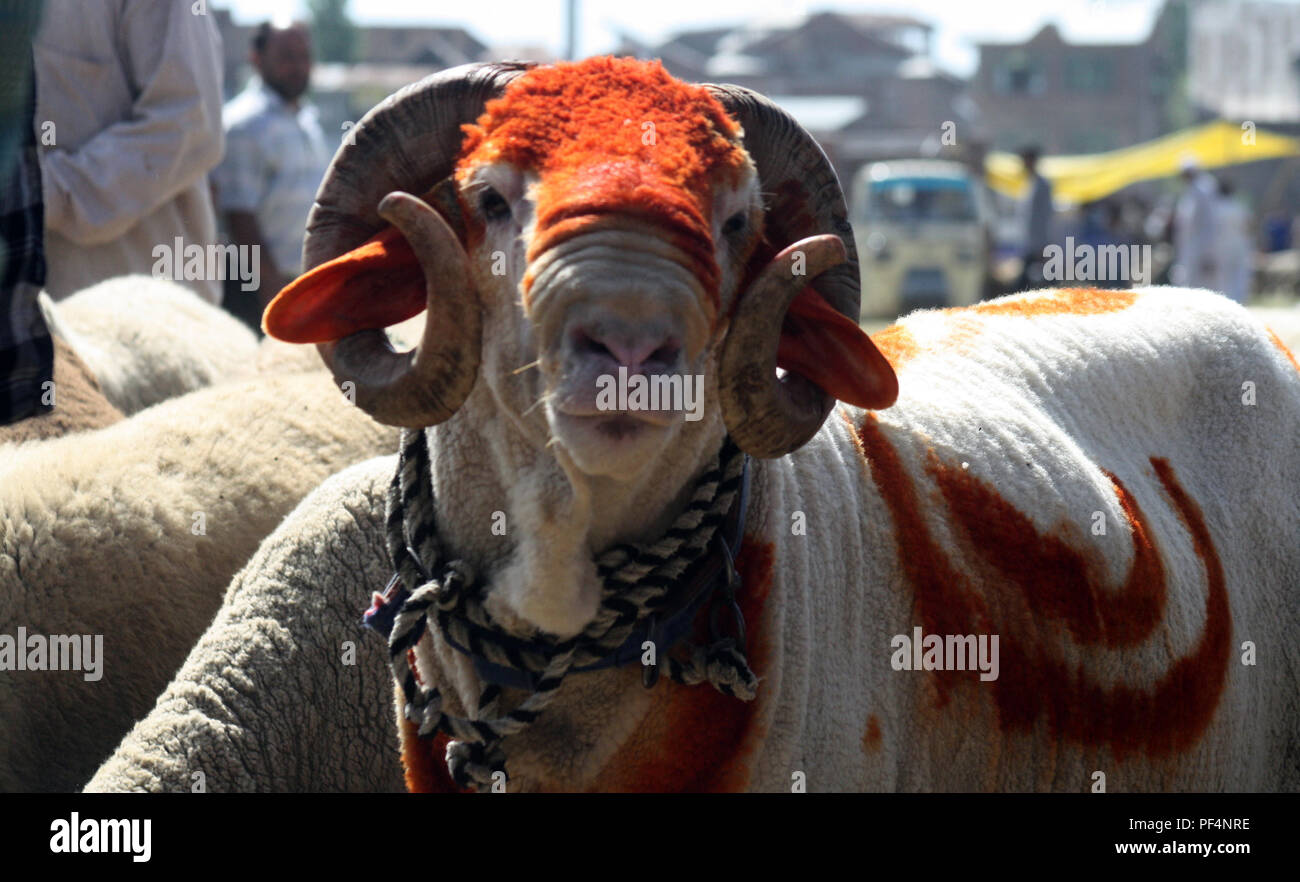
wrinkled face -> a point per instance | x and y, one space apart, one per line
609 238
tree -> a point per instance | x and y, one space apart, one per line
333 30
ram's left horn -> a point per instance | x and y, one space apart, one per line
427 385
767 415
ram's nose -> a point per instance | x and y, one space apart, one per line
640 350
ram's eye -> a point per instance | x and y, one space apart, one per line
493 206
735 224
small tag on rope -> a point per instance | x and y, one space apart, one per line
384 607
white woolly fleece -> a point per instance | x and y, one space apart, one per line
147 340
133 532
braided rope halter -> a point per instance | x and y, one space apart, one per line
637 580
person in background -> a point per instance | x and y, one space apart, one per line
26 351
1100 228
1276 230
1035 221
276 155
1233 251
1195 227
128 115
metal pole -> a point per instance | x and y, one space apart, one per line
571 29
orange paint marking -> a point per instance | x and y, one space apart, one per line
613 135
900 345
415 672
1202 676
1277 341
871 739
424 759
424 762
1034 682
897 344
1057 581
1166 719
944 598
964 324
694 738
1060 301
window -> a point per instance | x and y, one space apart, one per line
1020 75
1085 73
921 199
1095 139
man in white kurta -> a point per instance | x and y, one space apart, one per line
1195 230
129 121
1234 250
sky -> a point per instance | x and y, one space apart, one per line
959 23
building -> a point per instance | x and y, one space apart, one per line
863 85
1242 60
434 48
427 47
1083 97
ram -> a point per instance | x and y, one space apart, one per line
129 536
283 692
1096 488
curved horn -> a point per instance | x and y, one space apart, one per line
407 144
427 385
766 415
769 416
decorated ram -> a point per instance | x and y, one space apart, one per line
1078 521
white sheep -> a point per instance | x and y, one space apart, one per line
133 533
284 691
1068 549
147 339
130 342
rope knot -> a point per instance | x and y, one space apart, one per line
728 671
456 580
471 763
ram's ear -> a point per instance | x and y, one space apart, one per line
831 350
375 285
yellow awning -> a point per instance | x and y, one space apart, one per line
1078 179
